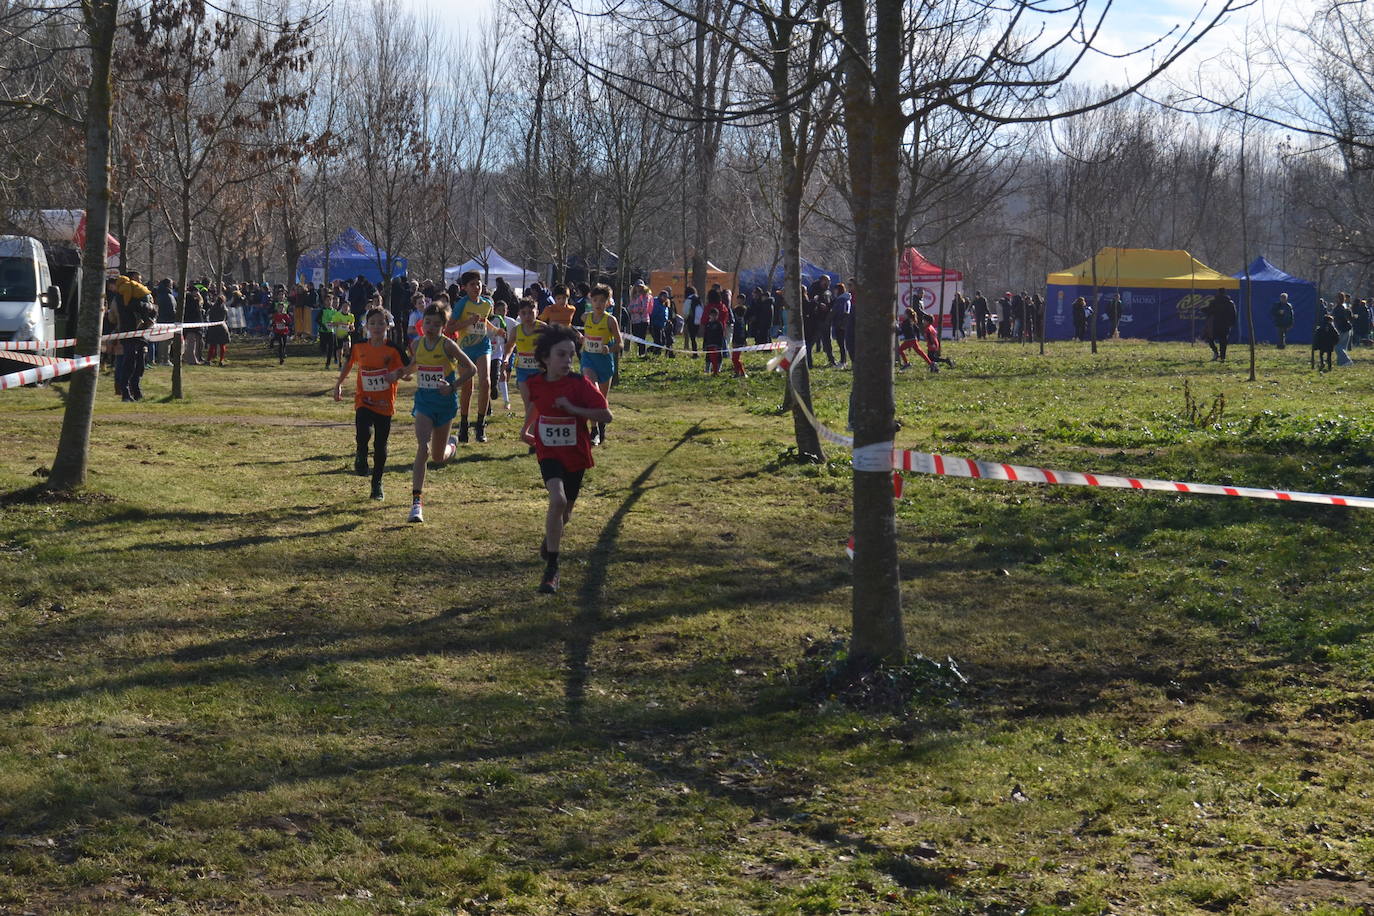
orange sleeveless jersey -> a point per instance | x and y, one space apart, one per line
373 391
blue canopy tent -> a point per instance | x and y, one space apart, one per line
350 255
763 278
1266 283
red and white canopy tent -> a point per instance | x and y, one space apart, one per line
920 281
62 226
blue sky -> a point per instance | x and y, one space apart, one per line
1131 24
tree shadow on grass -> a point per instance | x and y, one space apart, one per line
248 540
588 622
1039 644
304 639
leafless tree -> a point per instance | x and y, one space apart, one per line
385 133
207 84
1001 73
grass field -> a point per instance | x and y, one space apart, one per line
234 684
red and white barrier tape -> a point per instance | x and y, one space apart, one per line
33 359
724 351
156 332
947 466
12 345
43 373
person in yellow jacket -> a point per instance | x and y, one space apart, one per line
133 304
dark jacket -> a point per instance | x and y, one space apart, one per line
1282 313
1222 312
166 302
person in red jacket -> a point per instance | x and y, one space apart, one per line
909 329
282 326
561 403
933 344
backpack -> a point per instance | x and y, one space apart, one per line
145 311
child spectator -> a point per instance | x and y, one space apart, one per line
933 344
909 331
282 325
416 318
713 338
739 332
1324 341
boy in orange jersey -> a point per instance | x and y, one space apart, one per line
380 363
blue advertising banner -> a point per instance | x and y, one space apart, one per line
1153 313
1148 314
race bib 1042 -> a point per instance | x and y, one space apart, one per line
558 432
429 377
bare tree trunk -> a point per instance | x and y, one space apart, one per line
152 249
1092 312
701 206
73 445
1245 236
874 126
183 268
808 439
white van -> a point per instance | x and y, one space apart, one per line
28 299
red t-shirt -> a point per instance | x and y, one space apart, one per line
932 340
282 324
557 434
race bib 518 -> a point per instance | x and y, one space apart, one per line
558 432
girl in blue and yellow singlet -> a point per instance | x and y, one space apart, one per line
470 322
601 342
520 342
440 367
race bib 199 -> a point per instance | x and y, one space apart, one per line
374 379
594 345
558 432
429 377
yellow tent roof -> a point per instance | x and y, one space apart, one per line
1155 268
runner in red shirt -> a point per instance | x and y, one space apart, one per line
282 325
561 403
933 346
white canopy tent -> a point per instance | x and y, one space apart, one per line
491 265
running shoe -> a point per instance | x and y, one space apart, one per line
463 433
416 513
934 368
452 446
481 432
360 465
377 493
550 583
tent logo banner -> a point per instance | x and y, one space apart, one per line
919 297
1191 306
